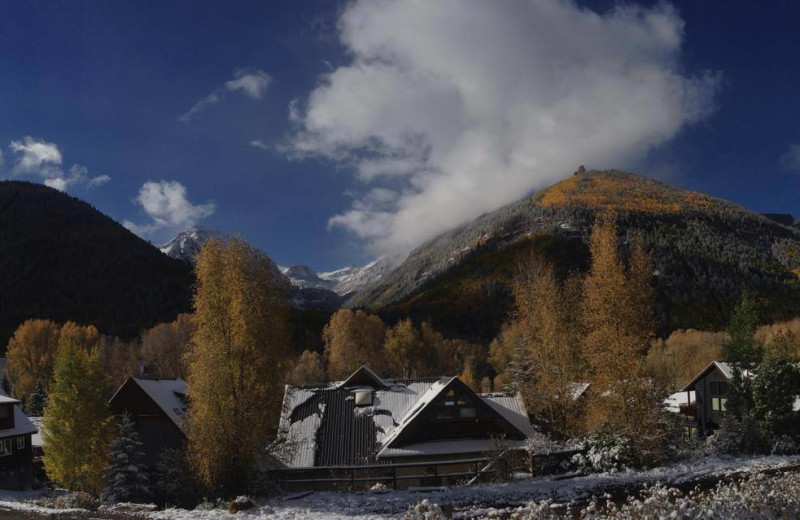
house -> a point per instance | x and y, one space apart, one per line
157 407
16 454
705 400
369 421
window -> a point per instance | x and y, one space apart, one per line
719 399
20 443
5 447
5 411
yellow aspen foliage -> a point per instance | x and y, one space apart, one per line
309 369
31 354
618 322
405 354
86 336
164 347
545 344
77 421
238 364
352 339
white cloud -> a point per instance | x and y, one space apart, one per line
252 84
258 143
99 180
166 203
38 157
790 161
468 105
2 161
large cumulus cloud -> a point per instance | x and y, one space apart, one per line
460 106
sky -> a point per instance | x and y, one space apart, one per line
329 132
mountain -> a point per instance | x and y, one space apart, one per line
304 296
304 277
324 290
349 281
706 252
63 260
186 244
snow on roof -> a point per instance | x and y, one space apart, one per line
4 399
673 402
364 373
725 368
22 425
512 408
578 389
323 426
434 390
168 394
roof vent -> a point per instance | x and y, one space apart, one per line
363 397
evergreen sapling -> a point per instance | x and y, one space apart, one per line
126 475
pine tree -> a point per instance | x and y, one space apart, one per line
742 347
37 401
77 421
126 474
238 364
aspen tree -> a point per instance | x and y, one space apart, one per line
237 365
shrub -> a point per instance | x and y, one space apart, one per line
605 453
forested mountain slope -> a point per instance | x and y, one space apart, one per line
62 259
706 252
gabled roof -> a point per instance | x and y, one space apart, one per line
436 390
725 368
22 425
364 376
168 394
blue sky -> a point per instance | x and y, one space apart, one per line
327 133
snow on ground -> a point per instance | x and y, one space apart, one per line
478 500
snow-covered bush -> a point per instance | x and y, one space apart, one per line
733 437
759 496
603 454
425 510
784 445
240 503
77 500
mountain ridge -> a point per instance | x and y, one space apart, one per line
706 251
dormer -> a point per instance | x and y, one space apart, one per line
7 412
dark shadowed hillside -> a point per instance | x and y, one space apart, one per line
62 259
706 251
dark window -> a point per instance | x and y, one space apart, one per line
20 443
5 447
5 412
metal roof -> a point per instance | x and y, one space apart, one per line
323 426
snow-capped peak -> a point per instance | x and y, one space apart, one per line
351 279
186 244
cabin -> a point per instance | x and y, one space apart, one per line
370 422
157 406
16 452
703 402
